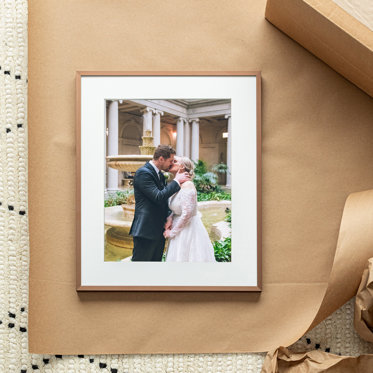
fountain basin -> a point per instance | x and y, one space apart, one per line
128 211
118 227
114 217
129 163
203 205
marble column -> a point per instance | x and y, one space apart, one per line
195 140
187 139
147 119
113 123
157 127
229 150
180 137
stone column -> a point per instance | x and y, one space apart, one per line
157 127
180 137
195 140
229 150
187 139
113 123
147 119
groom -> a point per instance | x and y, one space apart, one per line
151 209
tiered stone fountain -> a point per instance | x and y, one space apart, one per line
118 219
133 162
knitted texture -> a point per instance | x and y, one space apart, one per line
336 334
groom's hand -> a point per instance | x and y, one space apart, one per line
182 177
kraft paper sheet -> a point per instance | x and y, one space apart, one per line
317 149
284 361
363 315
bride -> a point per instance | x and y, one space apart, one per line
188 238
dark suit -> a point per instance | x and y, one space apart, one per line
151 211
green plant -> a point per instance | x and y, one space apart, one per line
220 168
228 216
118 198
213 196
223 250
206 181
200 167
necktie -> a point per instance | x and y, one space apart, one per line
161 179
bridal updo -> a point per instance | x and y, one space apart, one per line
187 165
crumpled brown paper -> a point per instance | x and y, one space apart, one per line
363 320
282 360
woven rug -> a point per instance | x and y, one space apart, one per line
336 334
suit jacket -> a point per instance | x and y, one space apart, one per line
151 198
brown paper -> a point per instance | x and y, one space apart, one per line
317 149
363 317
330 33
284 361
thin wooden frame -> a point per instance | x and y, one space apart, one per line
257 74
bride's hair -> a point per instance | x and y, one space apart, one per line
187 165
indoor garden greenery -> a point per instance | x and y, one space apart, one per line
205 181
120 197
223 247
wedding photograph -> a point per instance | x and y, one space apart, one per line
168 180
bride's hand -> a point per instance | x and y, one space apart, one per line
168 224
166 233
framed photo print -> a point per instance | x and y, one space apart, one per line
168 181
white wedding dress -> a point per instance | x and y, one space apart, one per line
189 240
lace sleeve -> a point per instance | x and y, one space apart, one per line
188 204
